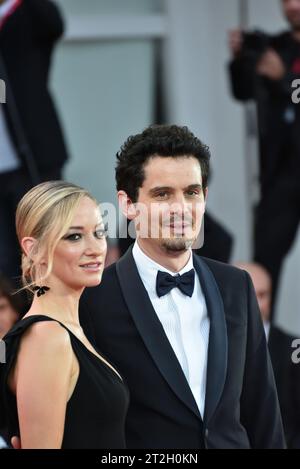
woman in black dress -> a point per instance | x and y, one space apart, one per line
57 390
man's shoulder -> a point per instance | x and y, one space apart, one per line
110 272
107 287
230 280
109 279
222 270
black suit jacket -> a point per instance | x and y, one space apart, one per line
241 408
26 43
287 378
218 242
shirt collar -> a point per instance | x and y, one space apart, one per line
148 268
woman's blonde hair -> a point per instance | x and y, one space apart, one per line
45 213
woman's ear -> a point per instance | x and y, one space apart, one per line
28 245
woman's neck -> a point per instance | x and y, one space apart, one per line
62 307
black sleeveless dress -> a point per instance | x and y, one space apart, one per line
96 411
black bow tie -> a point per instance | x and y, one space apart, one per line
165 282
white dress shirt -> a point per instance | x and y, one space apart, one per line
185 322
8 156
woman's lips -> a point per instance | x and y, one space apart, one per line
91 267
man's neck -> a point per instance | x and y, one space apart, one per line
173 261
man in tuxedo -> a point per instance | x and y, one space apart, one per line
32 147
286 372
184 331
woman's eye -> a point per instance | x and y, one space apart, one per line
102 232
73 237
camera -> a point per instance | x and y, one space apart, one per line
255 44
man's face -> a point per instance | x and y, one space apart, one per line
171 203
291 10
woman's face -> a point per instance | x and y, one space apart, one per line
80 255
8 316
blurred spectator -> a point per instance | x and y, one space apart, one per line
287 373
10 308
263 68
31 142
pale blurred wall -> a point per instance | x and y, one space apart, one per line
103 88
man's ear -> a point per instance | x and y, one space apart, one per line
28 244
126 205
205 192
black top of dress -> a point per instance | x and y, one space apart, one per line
96 411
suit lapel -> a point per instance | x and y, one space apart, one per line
217 348
157 343
151 330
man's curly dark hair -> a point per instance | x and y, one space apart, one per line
157 140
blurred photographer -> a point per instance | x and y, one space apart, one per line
10 309
263 68
32 147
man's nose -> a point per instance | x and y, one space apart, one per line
180 205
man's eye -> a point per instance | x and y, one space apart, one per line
192 192
162 194
73 237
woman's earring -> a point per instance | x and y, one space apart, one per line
40 290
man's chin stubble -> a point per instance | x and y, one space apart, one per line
177 245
